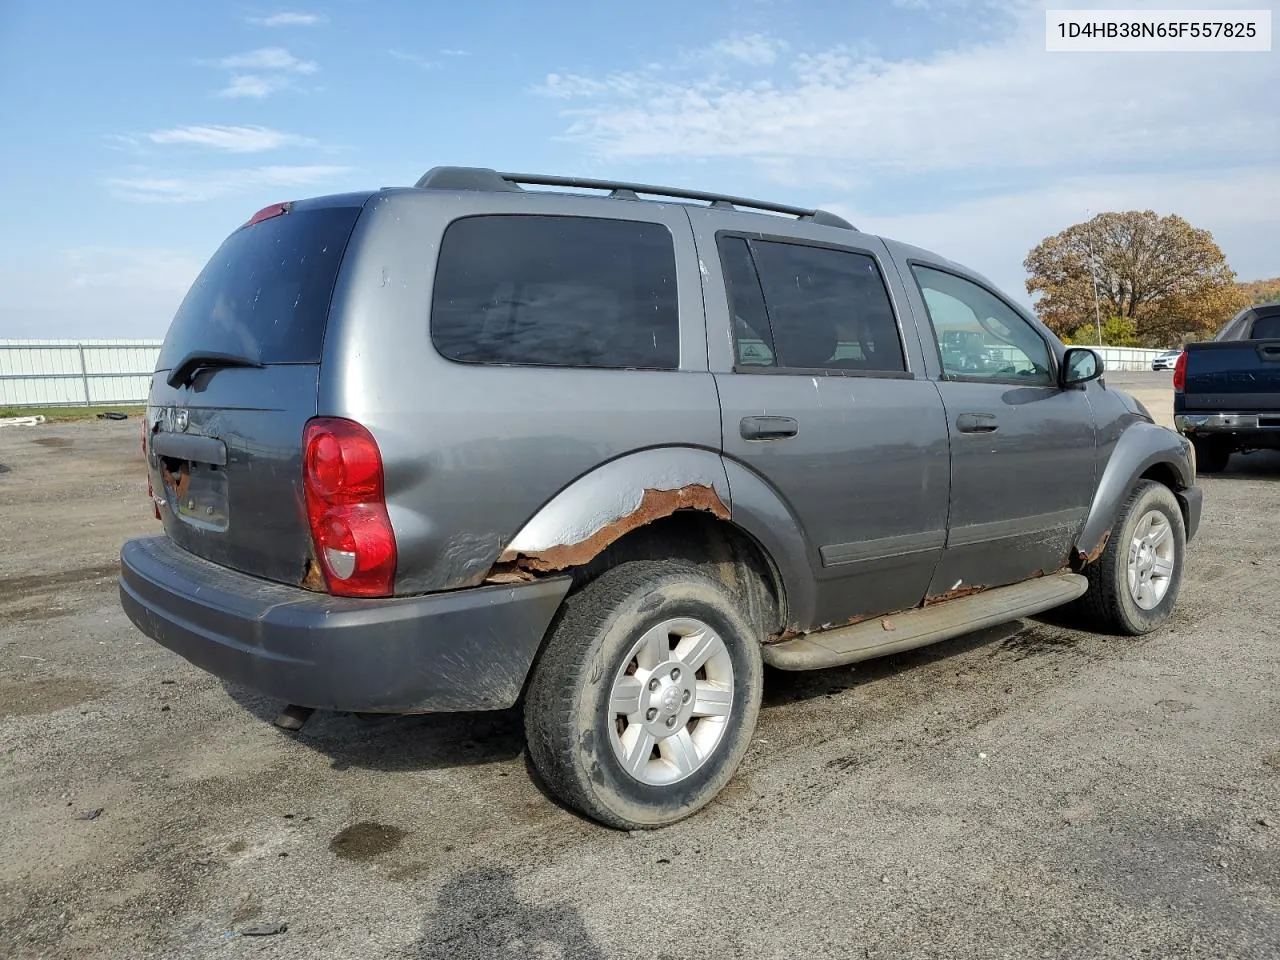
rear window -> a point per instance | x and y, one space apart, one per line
265 294
1267 328
557 291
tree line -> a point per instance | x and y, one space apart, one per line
1142 279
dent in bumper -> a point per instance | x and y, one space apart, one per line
462 650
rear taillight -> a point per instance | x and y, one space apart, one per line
1180 372
347 508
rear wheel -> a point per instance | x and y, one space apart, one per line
645 698
1134 585
1212 455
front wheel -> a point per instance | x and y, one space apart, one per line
1134 585
646 695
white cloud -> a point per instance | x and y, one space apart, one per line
454 53
209 186
247 139
286 20
267 58
1002 105
755 50
1238 205
413 58
113 292
131 268
259 73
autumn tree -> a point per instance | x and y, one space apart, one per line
1168 278
1262 291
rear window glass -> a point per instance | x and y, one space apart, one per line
557 291
265 294
1267 328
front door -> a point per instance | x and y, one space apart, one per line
820 402
1023 451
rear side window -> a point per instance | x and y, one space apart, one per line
557 291
751 330
821 308
265 294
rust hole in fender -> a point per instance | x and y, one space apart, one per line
1083 559
313 577
513 567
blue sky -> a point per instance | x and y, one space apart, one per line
137 135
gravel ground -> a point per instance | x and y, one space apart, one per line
1026 792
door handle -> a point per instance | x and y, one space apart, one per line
977 423
768 428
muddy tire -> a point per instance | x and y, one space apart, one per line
646 694
1134 585
1212 455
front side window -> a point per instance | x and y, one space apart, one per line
979 335
798 306
557 291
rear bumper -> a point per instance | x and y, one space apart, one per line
462 650
1253 430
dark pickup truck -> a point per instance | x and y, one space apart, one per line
1227 390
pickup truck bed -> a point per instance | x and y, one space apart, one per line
1227 390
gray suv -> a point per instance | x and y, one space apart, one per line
605 450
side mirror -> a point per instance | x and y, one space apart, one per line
1079 366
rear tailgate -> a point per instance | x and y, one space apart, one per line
1231 376
235 385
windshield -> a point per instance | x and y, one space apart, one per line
264 295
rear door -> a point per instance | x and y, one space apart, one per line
1023 451
234 386
820 397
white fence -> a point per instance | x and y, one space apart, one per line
55 373
1126 358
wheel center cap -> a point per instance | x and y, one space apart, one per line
670 701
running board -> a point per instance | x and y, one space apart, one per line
924 625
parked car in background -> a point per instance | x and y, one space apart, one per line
1166 360
465 445
1227 390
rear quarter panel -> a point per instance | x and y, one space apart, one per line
471 452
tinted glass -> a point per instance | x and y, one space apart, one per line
827 308
559 291
265 294
1267 328
978 334
750 322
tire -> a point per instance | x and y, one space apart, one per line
1211 455
625 633
1110 603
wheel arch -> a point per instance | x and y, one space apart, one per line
1144 451
683 500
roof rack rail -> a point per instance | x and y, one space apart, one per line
484 179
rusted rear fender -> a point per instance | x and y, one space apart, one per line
611 501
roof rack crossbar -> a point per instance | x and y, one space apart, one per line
479 178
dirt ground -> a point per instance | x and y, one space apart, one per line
1026 792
